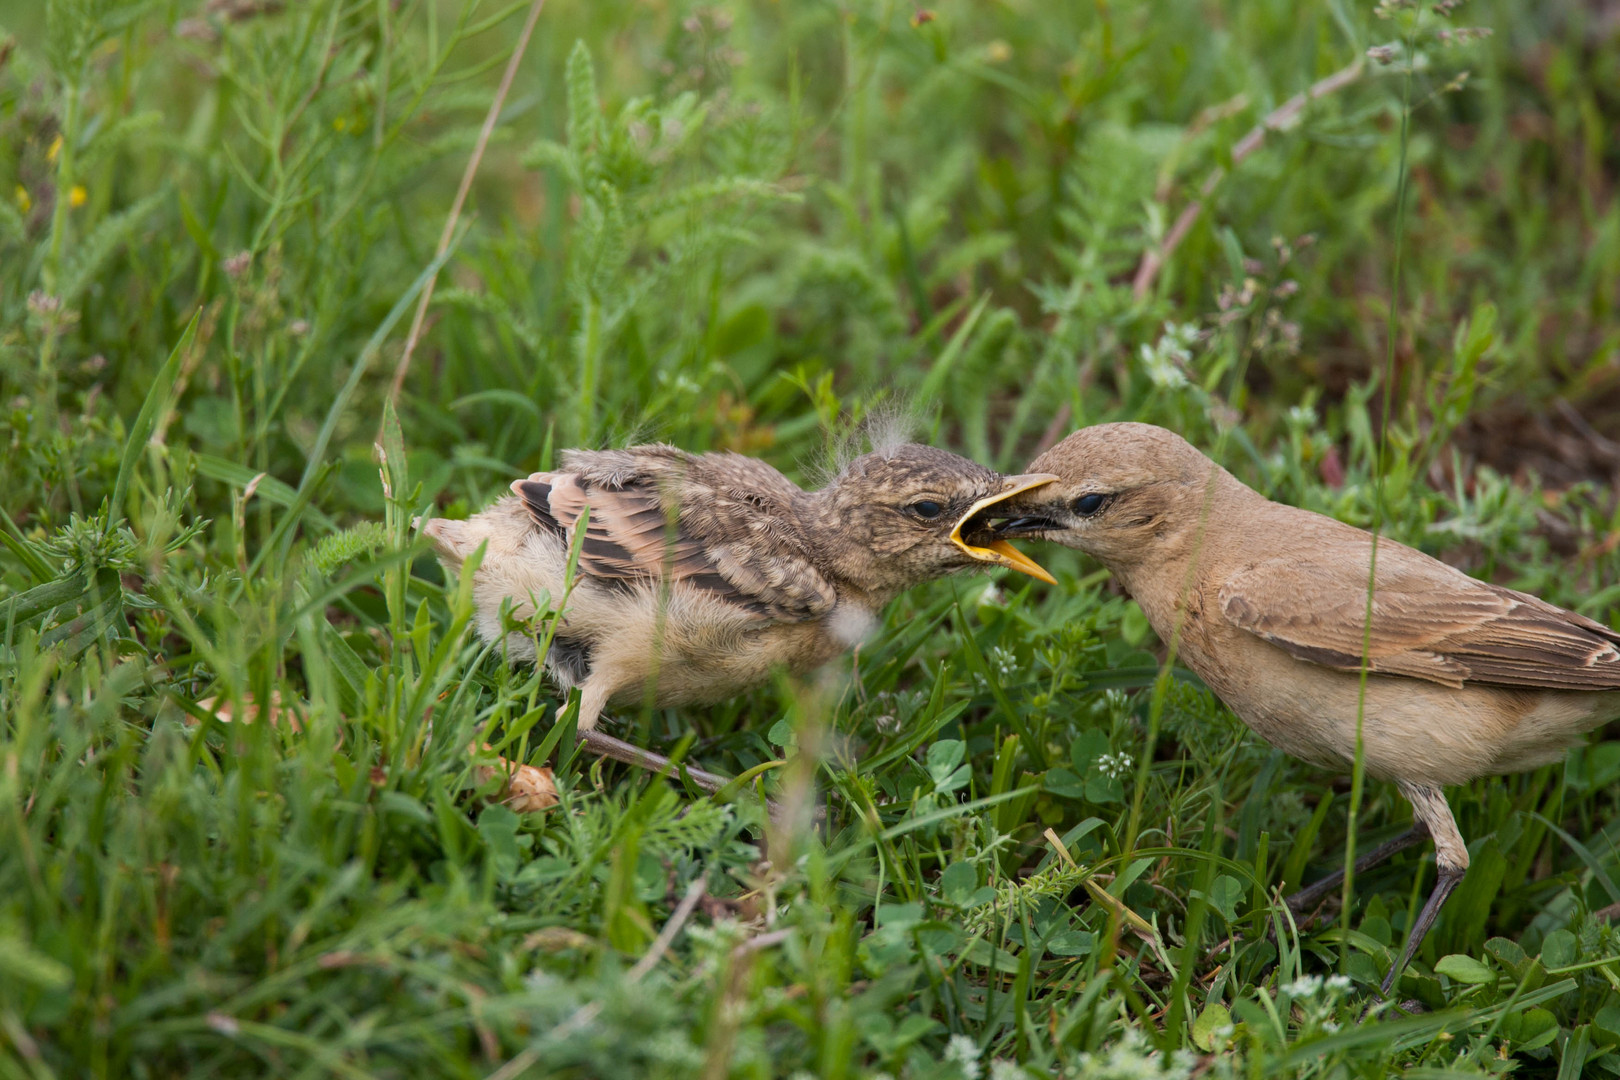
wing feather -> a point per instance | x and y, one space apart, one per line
1429 621
720 523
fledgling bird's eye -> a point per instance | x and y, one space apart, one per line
926 508
1086 505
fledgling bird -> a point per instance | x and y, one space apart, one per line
1268 604
699 575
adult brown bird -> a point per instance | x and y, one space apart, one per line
700 575
1268 604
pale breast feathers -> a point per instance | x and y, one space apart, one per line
1429 621
720 523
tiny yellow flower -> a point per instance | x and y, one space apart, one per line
56 148
998 51
77 196
24 203
340 124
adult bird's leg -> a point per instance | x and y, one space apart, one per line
1303 902
1307 898
1451 862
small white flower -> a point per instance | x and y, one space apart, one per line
963 1052
1114 766
1302 416
1337 984
1002 1069
1130 1058
1161 371
1004 661
680 382
721 935
1166 361
1303 987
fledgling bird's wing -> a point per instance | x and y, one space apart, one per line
722 523
1429 621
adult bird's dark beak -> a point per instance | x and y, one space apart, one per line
1024 526
998 551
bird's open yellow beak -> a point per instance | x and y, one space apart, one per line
999 551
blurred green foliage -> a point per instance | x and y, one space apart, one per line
750 225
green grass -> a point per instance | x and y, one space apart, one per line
747 226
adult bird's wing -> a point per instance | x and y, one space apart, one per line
1429 620
721 523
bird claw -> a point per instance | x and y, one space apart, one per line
1382 1003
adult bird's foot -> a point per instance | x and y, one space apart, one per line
1308 901
1383 1003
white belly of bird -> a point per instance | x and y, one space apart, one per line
1410 729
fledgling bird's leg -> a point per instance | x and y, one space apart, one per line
593 698
1450 859
1306 899
607 746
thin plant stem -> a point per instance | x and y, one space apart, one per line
1161 684
65 164
1286 114
1281 118
449 232
1358 767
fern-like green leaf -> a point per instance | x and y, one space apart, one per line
554 155
520 327
612 247
344 547
1058 879
106 238
11 222
108 141
584 114
692 195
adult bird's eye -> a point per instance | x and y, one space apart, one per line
926 508
1086 505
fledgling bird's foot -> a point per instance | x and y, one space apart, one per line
607 746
